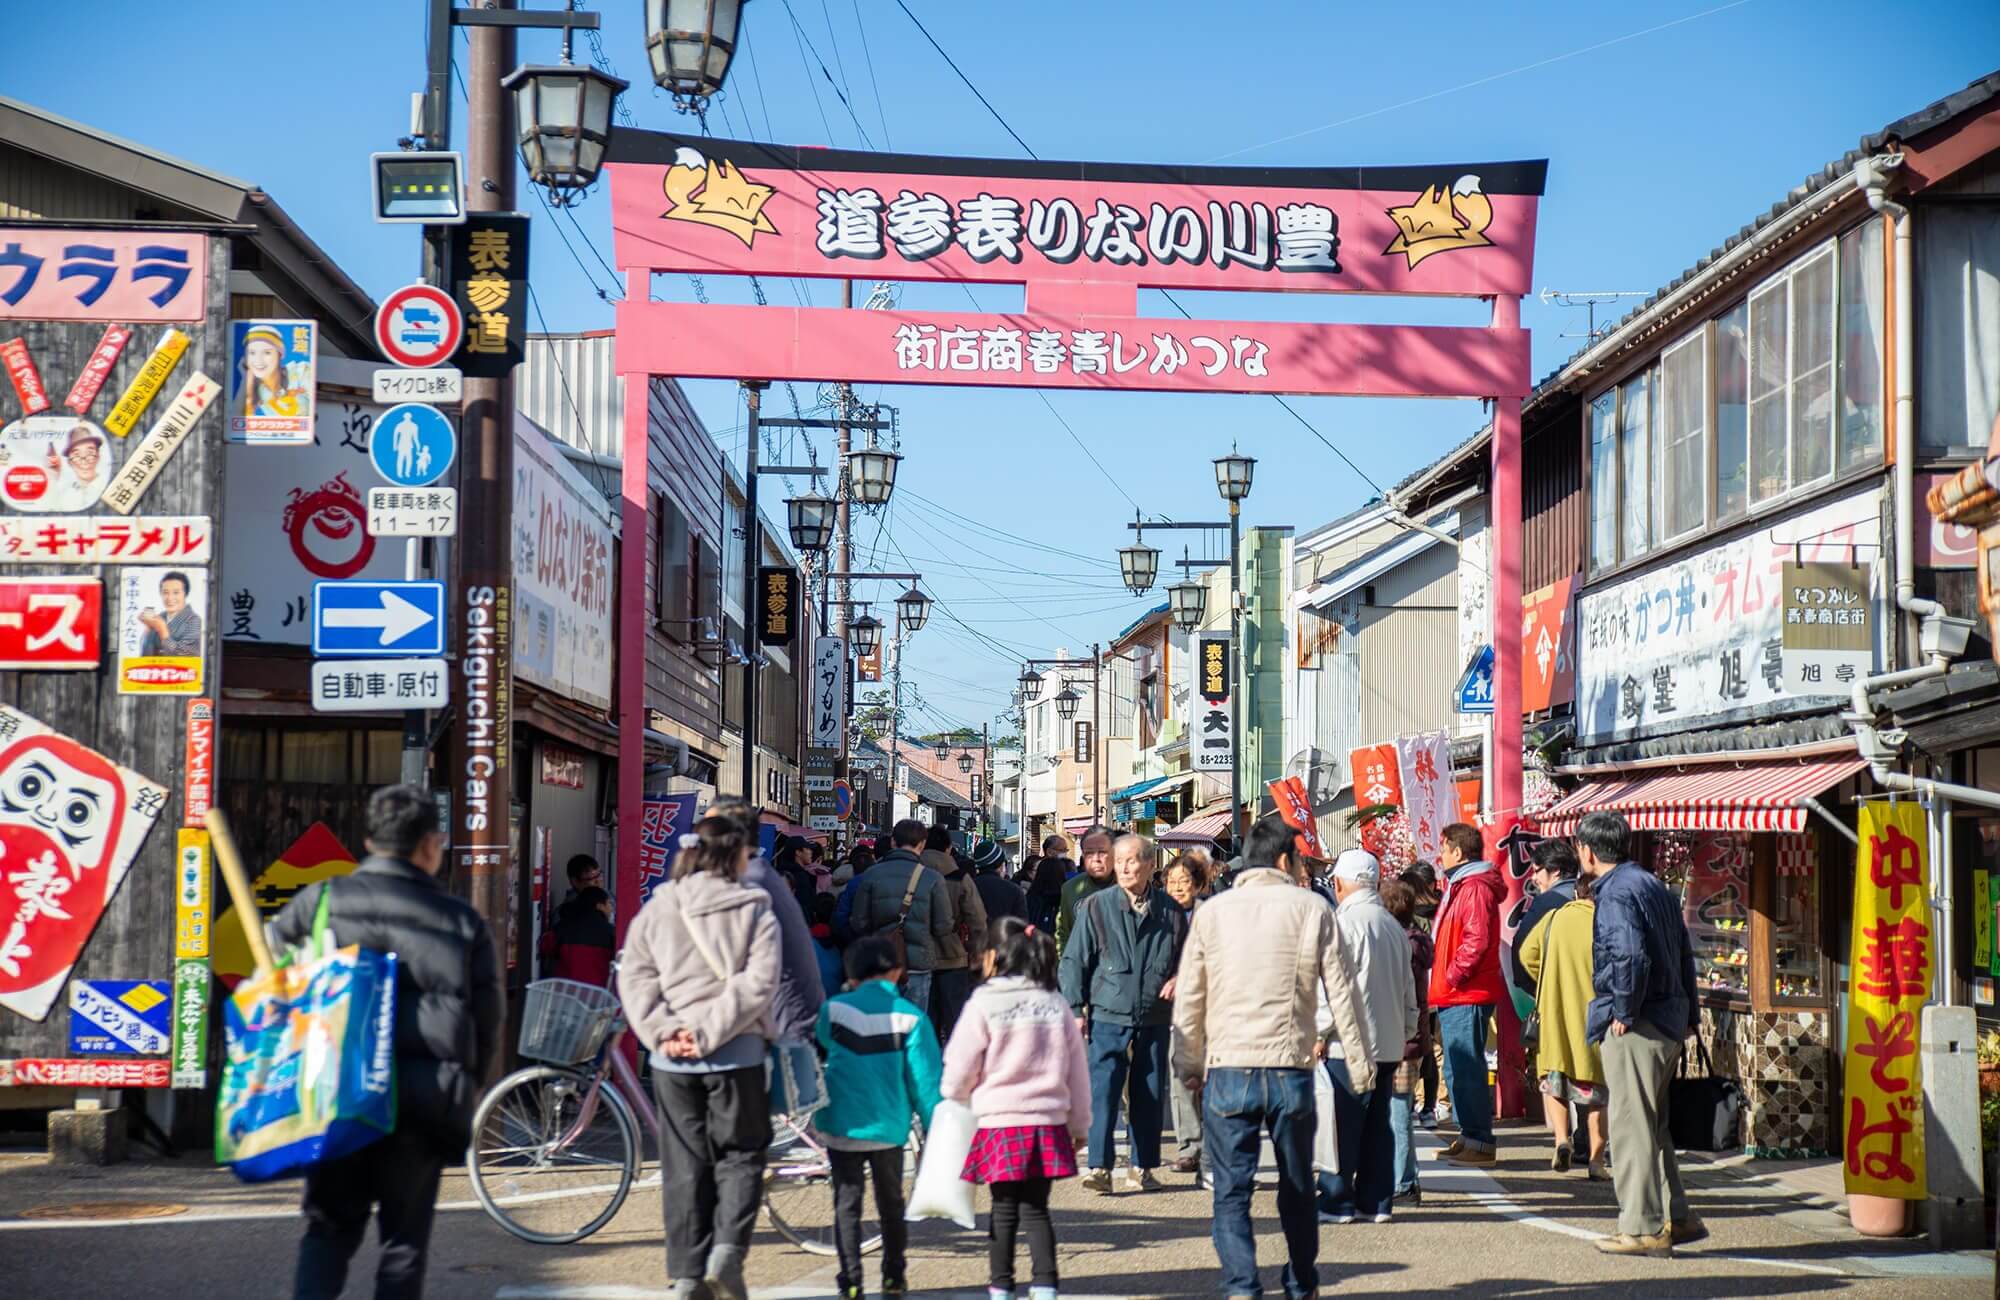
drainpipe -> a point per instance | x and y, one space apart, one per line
1871 177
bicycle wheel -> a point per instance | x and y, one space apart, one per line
798 1189
540 1171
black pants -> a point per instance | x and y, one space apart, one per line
1017 1206
950 990
398 1173
714 1131
1428 1076
851 1169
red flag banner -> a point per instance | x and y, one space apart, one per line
1295 806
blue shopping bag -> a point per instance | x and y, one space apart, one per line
309 1070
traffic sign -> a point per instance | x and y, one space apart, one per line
419 512
843 801
412 445
419 325
359 617
380 685
1475 688
120 1017
440 385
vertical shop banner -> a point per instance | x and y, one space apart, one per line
198 768
1829 628
193 909
161 614
829 692
71 823
1214 740
563 543
273 380
1295 807
1430 800
663 820
1892 950
193 946
822 807
489 278
1982 919
1548 673
777 605
192 985
1085 738
1377 782
1468 800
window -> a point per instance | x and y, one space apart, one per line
1769 310
705 579
672 604
1713 873
1812 370
1958 325
1860 433
1635 412
1794 911
1732 413
1683 434
1603 486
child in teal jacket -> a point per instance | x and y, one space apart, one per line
882 1067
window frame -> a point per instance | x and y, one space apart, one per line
1829 252
1703 437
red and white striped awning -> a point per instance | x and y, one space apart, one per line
1764 796
1197 830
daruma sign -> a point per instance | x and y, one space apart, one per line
1083 238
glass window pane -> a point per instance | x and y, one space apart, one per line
1603 483
1712 872
1812 370
1732 412
1795 937
1860 433
1634 448
1683 436
1768 420
314 757
385 757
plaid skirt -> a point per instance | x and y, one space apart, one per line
1013 1155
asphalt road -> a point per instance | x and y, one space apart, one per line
1521 1232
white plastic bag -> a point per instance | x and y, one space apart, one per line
1326 1137
939 1192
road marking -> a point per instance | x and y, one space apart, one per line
804 1291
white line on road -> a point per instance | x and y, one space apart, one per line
808 1291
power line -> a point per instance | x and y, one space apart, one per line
1001 534
805 44
869 55
967 80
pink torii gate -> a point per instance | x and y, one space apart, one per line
1083 239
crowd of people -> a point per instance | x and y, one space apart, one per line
1276 997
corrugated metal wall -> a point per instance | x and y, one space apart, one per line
31 189
1409 648
1552 500
566 385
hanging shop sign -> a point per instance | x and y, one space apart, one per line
58 885
777 604
102 275
1377 777
1085 740
54 463
274 377
198 768
162 616
1700 641
563 544
1892 950
489 282
562 767
120 1017
1548 648
1829 626
84 1072
1430 801
868 667
29 389
829 692
193 990
1213 744
98 539
193 920
147 459
664 818
146 385
1083 237
822 811
90 381
49 624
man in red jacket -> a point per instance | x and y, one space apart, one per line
1466 985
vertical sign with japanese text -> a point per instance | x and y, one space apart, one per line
1214 741
193 940
1829 629
1377 783
1891 947
829 692
1430 800
777 604
1085 741
1295 807
489 279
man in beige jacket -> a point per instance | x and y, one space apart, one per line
1250 979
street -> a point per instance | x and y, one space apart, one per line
1520 1231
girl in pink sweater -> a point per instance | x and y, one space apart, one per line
1017 1060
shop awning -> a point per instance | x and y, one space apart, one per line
1197 830
1077 825
1154 788
1760 796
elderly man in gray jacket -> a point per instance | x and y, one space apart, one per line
1378 953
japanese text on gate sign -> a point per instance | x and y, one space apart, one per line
1892 950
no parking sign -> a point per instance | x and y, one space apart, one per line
418 326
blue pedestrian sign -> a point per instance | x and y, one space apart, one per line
1475 689
378 618
412 445
120 1017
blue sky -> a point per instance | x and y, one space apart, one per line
1667 126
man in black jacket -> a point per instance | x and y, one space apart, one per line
1001 896
449 1009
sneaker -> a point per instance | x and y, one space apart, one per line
894 1287
1689 1229
996 1293
1427 1118
1041 1293
852 1293
1414 1195
1141 1180
1382 1218
725 1274
1471 1157
1097 1180
691 1288
1560 1160
1599 1171
1188 1165
1328 1216
1660 1245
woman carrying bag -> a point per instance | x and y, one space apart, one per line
1557 956
699 974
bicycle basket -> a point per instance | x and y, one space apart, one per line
564 1021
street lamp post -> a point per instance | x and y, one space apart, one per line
1232 480
1067 702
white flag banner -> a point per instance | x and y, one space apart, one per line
1430 801
829 692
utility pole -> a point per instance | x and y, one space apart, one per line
1241 685
1097 734
753 398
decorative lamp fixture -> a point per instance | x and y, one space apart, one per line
811 521
1232 475
866 633
965 761
1031 685
871 474
1189 600
913 607
690 43
1139 565
564 114
1066 702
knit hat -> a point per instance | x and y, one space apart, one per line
265 334
987 854
1360 867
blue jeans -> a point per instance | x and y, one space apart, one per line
1464 1032
917 988
1238 1107
1119 1052
1401 1107
1365 1180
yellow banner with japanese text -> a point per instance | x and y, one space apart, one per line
1891 950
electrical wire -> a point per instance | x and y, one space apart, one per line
1000 533
869 55
805 44
967 80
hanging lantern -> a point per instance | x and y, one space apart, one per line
913 607
1189 600
811 520
1031 685
564 115
1232 475
965 761
871 473
1066 702
1139 565
866 632
690 43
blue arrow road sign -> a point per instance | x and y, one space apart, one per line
1475 689
378 618
412 445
